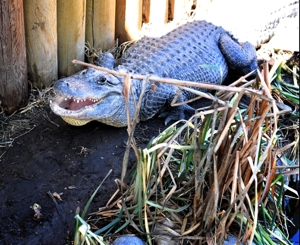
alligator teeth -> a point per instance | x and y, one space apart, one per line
81 100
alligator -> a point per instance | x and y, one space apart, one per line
191 52
184 53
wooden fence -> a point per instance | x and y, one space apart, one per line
40 38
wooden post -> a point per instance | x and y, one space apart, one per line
13 68
146 11
128 19
41 41
159 12
71 35
100 23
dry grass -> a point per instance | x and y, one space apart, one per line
26 119
212 175
117 51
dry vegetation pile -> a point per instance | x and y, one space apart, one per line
223 171
26 119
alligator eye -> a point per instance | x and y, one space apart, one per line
83 72
101 81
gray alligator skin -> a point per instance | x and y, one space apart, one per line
185 54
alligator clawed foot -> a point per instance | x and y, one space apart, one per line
171 116
176 114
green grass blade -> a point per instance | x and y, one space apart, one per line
166 208
92 197
111 224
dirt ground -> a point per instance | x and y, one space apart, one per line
60 158
51 156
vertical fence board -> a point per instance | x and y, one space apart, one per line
13 68
128 19
100 23
146 10
71 35
41 41
158 12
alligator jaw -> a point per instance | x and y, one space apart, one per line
75 122
70 109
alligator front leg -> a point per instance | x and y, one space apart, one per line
160 96
177 113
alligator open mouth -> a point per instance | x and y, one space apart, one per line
69 108
74 104
78 112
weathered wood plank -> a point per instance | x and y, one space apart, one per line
71 35
159 12
146 11
13 68
100 23
41 41
128 19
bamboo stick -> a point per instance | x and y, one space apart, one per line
199 84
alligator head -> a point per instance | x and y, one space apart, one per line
90 95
